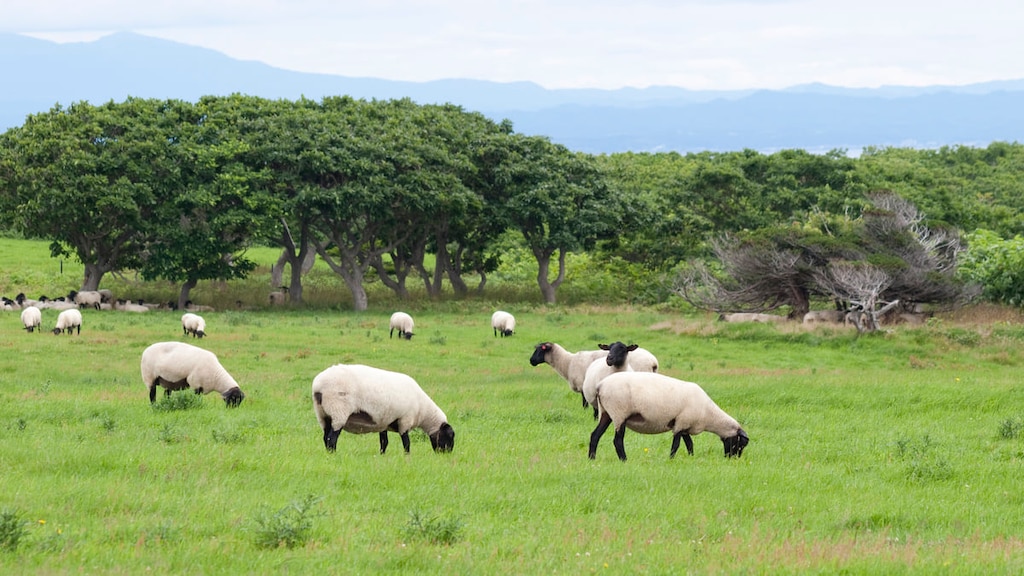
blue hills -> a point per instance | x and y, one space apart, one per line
814 117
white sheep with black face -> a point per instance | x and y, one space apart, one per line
504 323
69 321
193 324
403 323
180 366
620 358
651 403
86 298
31 318
361 399
570 365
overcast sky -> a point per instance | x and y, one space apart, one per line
696 44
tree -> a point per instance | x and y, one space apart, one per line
89 178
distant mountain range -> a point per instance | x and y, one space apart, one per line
813 117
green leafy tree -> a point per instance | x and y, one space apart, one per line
997 264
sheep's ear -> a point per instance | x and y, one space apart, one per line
604 347
632 347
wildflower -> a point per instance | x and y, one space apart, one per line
42 522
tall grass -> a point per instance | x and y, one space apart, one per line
887 453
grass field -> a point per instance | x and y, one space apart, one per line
899 452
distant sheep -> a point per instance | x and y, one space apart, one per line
31 318
751 317
362 399
504 323
177 366
193 324
278 298
86 298
68 320
403 323
824 317
570 365
191 307
126 306
654 403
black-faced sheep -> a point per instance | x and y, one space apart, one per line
654 403
403 323
570 365
69 320
193 324
128 306
86 298
504 323
362 399
177 366
31 318
620 358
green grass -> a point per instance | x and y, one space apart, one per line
896 452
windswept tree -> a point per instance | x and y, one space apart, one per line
90 178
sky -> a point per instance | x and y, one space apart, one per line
694 44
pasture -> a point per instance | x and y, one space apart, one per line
895 452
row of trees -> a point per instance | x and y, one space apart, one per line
376 189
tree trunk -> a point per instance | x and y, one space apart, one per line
91 279
351 273
186 289
548 288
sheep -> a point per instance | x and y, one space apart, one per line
177 366
824 317
106 296
569 365
197 307
31 317
86 298
403 323
503 322
68 320
620 358
651 403
278 298
750 317
126 306
361 399
193 324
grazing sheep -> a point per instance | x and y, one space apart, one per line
750 317
362 399
824 317
68 320
193 324
654 403
403 323
503 322
177 366
31 317
86 298
620 358
569 365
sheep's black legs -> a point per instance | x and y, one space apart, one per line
405 442
330 437
595 436
620 448
584 400
383 441
675 444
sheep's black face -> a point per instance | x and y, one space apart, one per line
408 335
233 397
734 445
539 353
444 439
506 332
617 352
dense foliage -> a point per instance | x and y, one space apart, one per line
392 190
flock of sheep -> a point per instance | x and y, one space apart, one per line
619 382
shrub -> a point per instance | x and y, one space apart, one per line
289 527
13 528
432 529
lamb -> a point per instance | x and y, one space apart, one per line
68 320
86 298
654 403
403 323
503 322
193 324
177 366
569 365
31 317
361 399
620 358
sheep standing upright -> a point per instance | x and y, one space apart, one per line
570 365
31 318
620 358
177 366
193 324
362 399
69 320
651 403
504 323
86 298
403 323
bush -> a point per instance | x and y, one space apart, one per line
289 527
